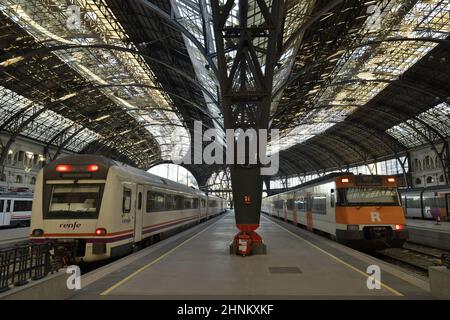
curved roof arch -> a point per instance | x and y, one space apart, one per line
352 85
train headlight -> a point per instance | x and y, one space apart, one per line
37 233
353 227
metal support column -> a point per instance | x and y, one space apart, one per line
246 77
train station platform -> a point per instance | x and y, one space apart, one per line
427 232
196 264
12 236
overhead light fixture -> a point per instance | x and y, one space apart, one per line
365 76
106 116
139 142
67 96
125 132
11 61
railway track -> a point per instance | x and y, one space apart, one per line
413 257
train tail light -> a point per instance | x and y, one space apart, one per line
63 168
92 168
391 179
345 180
399 227
100 231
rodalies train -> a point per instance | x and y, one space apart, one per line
94 208
361 211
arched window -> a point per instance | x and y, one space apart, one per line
429 179
32 180
417 166
20 156
437 162
427 163
418 181
19 179
441 178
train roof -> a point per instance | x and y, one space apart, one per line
420 189
25 195
330 176
126 170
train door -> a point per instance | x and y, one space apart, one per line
5 212
448 205
203 213
138 213
2 213
294 209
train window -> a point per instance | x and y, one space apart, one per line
22 205
2 204
170 204
74 200
8 206
150 204
179 202
139 200
155 202
290 204
332 198
301 205
160 204
195 203
203 203
319 204
368 196
126 200
278 204
212 203
188 203
433 201
413 201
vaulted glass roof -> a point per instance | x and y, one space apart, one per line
113 70
377 56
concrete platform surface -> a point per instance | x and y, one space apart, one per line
197 265
11 236
428 233
443 226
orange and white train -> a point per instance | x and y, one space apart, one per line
361 211
93 208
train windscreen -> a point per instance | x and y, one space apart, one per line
368 196
74 201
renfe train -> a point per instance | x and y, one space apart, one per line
15 209
94 208
361 211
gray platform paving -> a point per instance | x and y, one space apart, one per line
11 236
197 265
428 233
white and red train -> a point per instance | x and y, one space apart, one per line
94 208
15 209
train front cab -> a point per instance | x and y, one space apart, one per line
368 212
66 208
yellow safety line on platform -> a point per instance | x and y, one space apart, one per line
121 282
392 290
